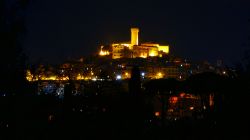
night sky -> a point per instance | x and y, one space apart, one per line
58 30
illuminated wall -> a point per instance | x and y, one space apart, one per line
139 51
117 51
153 51
103 52
150 44
164 49
134 36
133 50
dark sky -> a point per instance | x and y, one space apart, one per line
195 29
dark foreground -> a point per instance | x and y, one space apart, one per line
116 117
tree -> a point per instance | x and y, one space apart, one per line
209 85
135 81
12 58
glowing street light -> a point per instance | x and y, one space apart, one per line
157 114
159 75
143 74
118 77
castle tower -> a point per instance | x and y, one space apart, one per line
134 36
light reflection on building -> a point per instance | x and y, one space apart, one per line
134 49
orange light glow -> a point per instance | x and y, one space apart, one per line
52 78
191 108
152 54
173 99
159 75
143 56
211 100
157 114
103 53
29 76
182 95
80 77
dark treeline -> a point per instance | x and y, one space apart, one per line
108 110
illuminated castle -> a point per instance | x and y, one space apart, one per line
134 49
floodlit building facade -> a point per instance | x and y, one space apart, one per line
134 49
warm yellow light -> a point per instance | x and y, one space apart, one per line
29 76
65 78
157 114
121 44
164 48
94 79
103 53
52 77
126 75
150 44
134 36
159 75
79 77
143 56
153 52
127 45
49 78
